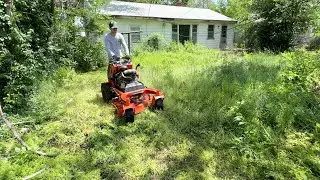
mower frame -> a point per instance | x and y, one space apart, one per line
128 104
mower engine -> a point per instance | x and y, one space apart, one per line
127 80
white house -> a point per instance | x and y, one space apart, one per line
202 26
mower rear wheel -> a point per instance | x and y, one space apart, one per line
158 105
107 94
129 116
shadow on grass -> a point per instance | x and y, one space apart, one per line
99 100
197 108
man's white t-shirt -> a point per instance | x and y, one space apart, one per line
113 45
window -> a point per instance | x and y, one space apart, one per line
194 33
174 32
135 37
210 31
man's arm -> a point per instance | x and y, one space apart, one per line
124 44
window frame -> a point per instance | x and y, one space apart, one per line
194 34
210 34
175 34
222 31
135 37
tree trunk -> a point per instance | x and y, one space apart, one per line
53 4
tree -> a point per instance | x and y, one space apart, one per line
277 22
39 36
220 6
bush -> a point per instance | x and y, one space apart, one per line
174 46
155 42
276 33
314 44
89 55
42 106
36 44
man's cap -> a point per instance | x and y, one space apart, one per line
113 24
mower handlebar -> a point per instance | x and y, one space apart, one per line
120 60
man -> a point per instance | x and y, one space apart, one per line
114 41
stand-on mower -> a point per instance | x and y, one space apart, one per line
127 94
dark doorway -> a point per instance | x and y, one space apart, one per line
223 39
184 33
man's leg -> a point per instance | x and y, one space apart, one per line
109 71
108 68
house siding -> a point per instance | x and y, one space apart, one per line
203 36
150 26
230 37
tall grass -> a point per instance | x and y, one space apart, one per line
227 116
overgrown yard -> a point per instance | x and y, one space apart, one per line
251 116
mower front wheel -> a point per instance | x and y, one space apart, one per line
158 105
106 91
129 115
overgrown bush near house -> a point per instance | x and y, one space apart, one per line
175 46
314 44
155 42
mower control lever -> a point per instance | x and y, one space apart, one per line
138 65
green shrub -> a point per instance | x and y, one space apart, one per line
314 44
88 55
302 71
34 42
175 46
155 42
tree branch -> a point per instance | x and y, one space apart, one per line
18 137
22 122
35 174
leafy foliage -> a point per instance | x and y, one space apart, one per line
314 44
35 41
277 22
155 42
26 50
240 11
270 25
